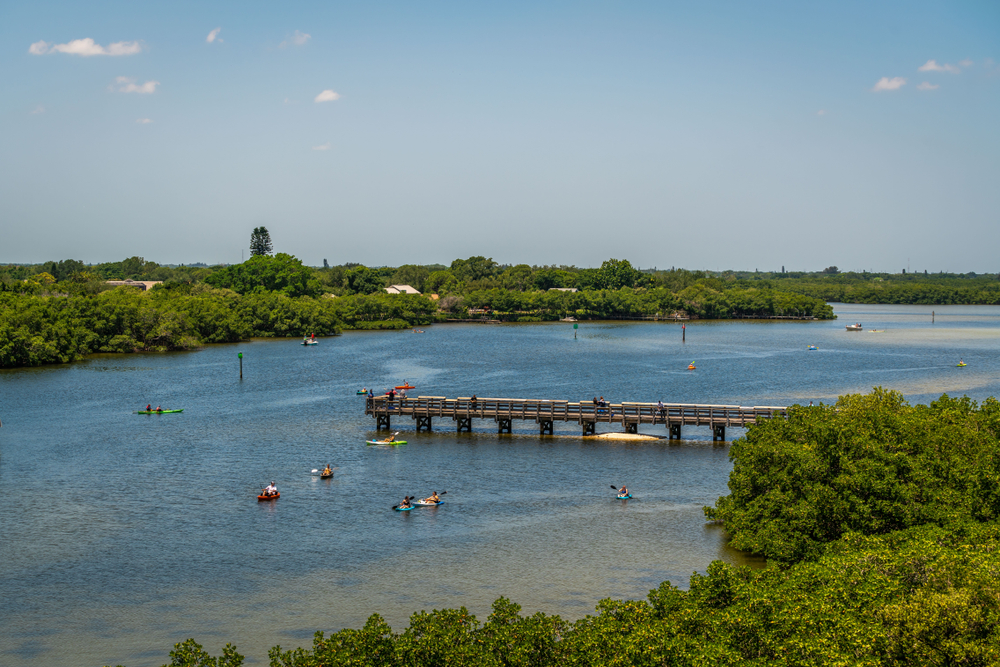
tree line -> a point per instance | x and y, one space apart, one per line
879 521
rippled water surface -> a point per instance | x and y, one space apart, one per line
122 534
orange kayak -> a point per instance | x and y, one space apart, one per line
406 386
274 497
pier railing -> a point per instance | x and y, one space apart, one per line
503 411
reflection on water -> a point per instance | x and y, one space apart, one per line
131 532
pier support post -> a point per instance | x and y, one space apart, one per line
719 433
464 424
382 422
675 431
589 428
545 427
422 423
631 428
503 425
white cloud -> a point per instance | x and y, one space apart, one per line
144 121
928 86
932 66
298 39
39 109
327 96
966 63
885 83
128 85
212 35
86 48
322 147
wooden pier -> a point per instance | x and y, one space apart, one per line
503 411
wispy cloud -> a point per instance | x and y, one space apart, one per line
86 48
298 39
37 110
144 121
932 66
128 85
213 35
821 112
322 147
966 63
885 83
926 85
327 96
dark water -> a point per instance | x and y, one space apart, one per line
122 533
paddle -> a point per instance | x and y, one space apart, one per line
407 497
317 471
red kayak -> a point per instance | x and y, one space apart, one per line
406 386
274 497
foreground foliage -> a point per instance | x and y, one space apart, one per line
926 596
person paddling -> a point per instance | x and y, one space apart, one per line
159 409
149 407
433 498
406 502
622 492
327 470
271 489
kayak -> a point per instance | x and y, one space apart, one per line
362 393
326 476
263 498
406 386
625 497
380 442
423 504
403 509
310 342
961 364
158 412
812 347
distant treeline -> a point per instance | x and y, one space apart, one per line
880 523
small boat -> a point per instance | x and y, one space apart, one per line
812 347
404 509
385 442
421 503
854 327
326 476
961 364
691 366
158 412
262 497
310 342
405 386
625 497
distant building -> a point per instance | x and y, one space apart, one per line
562 289
401 289
141 284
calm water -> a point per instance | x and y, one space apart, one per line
122 534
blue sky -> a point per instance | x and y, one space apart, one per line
700 135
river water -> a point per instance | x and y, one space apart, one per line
122 534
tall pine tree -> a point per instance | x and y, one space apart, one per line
260 242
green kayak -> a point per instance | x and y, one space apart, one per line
157 412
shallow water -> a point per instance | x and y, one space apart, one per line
127 533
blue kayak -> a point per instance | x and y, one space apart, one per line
404 509
625 497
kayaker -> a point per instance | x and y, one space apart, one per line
433 498
623 491
149 407
327 470
406 502
159 409
271 489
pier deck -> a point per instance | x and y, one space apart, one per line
503 411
